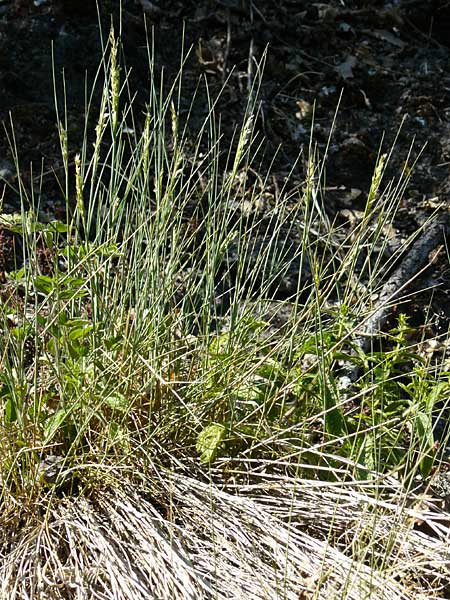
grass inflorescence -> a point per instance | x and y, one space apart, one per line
182 386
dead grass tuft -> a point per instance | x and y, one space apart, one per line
272 537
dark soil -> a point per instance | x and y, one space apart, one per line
385 64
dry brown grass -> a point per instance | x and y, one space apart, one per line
265 536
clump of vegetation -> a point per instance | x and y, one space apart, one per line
182 330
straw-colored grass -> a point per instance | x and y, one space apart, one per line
272 537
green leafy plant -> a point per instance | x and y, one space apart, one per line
176 322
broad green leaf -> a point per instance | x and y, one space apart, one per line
117 401
79 329
10 410
54 423
58 227
367 456
209 441
424 431
334 420
44 284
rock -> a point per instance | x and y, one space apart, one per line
50 469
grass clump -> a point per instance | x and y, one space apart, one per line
183 330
